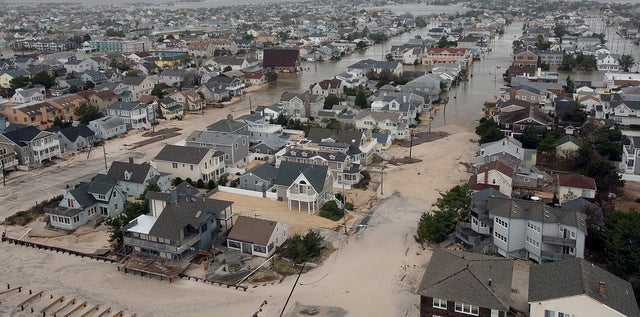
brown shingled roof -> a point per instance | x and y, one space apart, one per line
577 181
252 230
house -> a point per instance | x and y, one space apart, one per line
170 109
101 99
383 141
6 76
533 230
363 67
584 289
134 178
179 225
460 284
301 106
93 76
344 171
8 159
567 146
515 122
190 162
172 77
259 178
389 122
508 150
31 145
328 87
427 84
142 85
551 58
480 226
234 86
405 104
234 148
304 184
358 145
460 56
38 114
281 60
608 62
100 197
625 112
572 186
23 95
108 127
257 237
494 174
630 155
74 138
135 115
526 56
189 99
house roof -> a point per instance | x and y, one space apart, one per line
72 133
568 138
182 154
252 230
226 125
124 105
577 181
525 114
280 57
576 276
471 278
315 174
317 135
187 211
109 122
137 173
25 134
264 171
496 165
536 211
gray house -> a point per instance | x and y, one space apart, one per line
101 197
135 115
134 178
260 178
178 226
32 145
74 138
234 146
304 185
108 127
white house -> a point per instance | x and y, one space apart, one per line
572 186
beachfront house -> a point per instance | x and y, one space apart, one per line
190 162
257 237
304 185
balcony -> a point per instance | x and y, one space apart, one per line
188 242
302 197
559 241
466 234
555 256
149 244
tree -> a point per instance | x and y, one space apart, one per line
90 84
457 199
19 82
420 23
224 179
111 32
211 184
361 45
157 91
87 113
43 78
529 138
361 99
389 57
436 226
621 239
575 115
443 42
61 123
227 69
570 86
330 210
626 62
568 62
271 76
330 101
303 248
177 181
489 131
131 211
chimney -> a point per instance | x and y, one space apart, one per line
602 287
130 159
173 195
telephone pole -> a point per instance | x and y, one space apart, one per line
344 206
104 153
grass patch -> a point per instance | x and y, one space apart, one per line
24 217
283 267
264 275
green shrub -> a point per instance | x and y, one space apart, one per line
330 210
304 248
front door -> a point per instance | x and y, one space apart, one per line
246 248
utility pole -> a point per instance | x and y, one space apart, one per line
344 206
294 287
250 110
104 153
410 143
382 179
4 178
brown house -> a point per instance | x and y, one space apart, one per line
527 56
40 115
281 60
101 99
515 122
460 284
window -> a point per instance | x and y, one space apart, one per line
233 244
466 309
70 202
259 248
495 313
502 222
549 313
76 219
440 303
191 167
174 165
564 314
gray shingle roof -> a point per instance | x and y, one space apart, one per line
316 135
471 278
182 154
137 172
265 171
227 126
289 171
535 210
186 212
573 277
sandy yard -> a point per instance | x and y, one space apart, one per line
375 272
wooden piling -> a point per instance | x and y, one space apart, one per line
119 314
106 311
19 289
71 302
